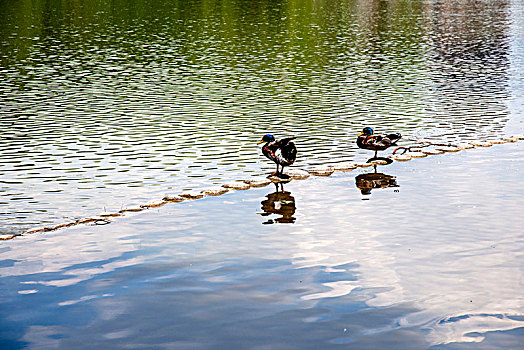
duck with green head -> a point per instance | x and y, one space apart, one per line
283 152
376 142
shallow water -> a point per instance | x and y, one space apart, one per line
107 105
432 261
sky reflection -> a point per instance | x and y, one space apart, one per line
434 264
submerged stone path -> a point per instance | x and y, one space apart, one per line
419 149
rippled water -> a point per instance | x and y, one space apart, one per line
432 262
106 105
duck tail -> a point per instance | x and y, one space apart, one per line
394 137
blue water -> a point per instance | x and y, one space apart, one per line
107 105
434 261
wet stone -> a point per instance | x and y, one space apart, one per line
416 154
173 198
4 237
258 181
91 220
448 149
297 174
279 179
68 224
110 215
482 144
463 146
237 185
401 157
321 171
215 191
38 229
131 210
345 166
432 152
510 139
379 162
364 165
191 195
154 204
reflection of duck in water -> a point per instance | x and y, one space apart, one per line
369 181
280 203
376 142
283 152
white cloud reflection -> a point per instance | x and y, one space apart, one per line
457 268
463 272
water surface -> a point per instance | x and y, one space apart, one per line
433 261
106 105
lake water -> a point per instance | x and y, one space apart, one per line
434 261
107 105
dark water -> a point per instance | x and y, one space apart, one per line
106 104
432 261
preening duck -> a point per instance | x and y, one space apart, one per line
283 152
376 142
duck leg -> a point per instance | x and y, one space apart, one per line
373 158
276 172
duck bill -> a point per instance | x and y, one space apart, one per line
361 133
259 142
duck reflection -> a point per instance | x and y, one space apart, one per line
280 203
370 181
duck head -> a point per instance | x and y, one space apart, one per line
366 131
267 138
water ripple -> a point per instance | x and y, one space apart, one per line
128 103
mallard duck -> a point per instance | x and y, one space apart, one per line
283 152
376 142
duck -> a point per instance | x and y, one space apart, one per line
376 142
283 152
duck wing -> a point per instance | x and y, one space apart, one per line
394 137
289 151
283 151
284 141
383 140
